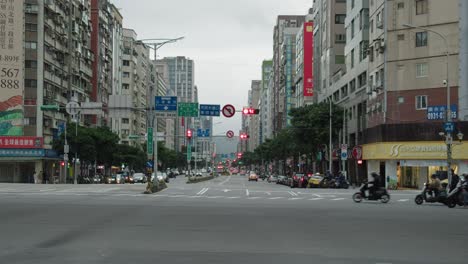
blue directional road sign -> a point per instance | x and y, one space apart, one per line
210 110
166 103
203 133
149 164
449 127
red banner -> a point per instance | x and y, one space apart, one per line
308 78
21 142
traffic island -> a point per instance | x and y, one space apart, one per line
199 179
154 188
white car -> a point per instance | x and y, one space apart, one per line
162 176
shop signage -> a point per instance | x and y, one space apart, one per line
21 142
424 150
22 152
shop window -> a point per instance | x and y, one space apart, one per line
421 102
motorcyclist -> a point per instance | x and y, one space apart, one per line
340 178
455 180
371 185
434 185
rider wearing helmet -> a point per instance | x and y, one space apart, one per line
371 185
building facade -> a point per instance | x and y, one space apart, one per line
265 105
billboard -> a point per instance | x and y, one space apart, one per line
308 80
289 80
13 142
11 67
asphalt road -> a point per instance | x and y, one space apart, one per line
225 220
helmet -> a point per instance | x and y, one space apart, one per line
374 174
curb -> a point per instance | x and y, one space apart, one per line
199 179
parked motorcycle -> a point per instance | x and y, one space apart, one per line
424 197
380 194
341 183
456 196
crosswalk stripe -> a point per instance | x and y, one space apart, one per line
275 198
315 199
338 199
403 200
292 199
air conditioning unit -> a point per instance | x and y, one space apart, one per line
369 90
379 24
381 46
47 122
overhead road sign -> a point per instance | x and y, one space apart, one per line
72 108
91 108
187 109
210 110
167 115
229 110
166 103
203 133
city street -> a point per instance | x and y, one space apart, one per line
225 220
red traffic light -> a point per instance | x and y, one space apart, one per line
359 162
244 136
62 163
189 133
239 155
250 111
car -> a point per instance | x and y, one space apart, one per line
171 174
273 178
282 179
139 177
162 176
120 179
253 176
316 180
198 174
97 179
243 173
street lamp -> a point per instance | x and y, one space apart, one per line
448 136
155 44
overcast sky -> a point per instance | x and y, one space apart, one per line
227 39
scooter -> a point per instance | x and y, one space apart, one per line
424 197
341 183
456 196
380 194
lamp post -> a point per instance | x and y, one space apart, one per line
152 121
448 135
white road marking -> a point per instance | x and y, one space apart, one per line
275 198
268 193
338 199
213 197
46 190
254 198
193 196
403 200
108 190
226 190
223 182
234 197
203 191
292 199
292 193
315 199
247 192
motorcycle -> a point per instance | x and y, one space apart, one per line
380 194
456 196
423 196
341 183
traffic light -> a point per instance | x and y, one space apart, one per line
239 155
62 163
189 134
250 111
53 108
244 136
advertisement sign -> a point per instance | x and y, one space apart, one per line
21 142
22 152
11 68
308 80
439 112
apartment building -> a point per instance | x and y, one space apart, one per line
264 103
303 87
254 120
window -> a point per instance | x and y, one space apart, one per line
339 59
401 100
421 7
352 29
362 79
340 18
352 58
401 5
421 70
30 64
30 45
371 54
421 39
31 8
401 36
352 4
126 63
372 26
364 19
340 38
31 27
125 86
352 85
125 121
421 102
126 74
363 47
30 83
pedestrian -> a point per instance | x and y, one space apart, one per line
45 177
35 177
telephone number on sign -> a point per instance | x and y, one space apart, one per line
6 78
8 58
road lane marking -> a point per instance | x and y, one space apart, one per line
234 197
223 182
46 190
254 198
203 191
268 193
292 199
338 199
315 199
247 192
275 198
213 197
293 193
403 200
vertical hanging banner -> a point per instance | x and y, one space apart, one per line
11 67
308 80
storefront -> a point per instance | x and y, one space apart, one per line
410 164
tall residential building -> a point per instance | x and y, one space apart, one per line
283 42
117 50
182 81
264 105
162 70
101 46
130 121
329 41
407 99
55 66
463 69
